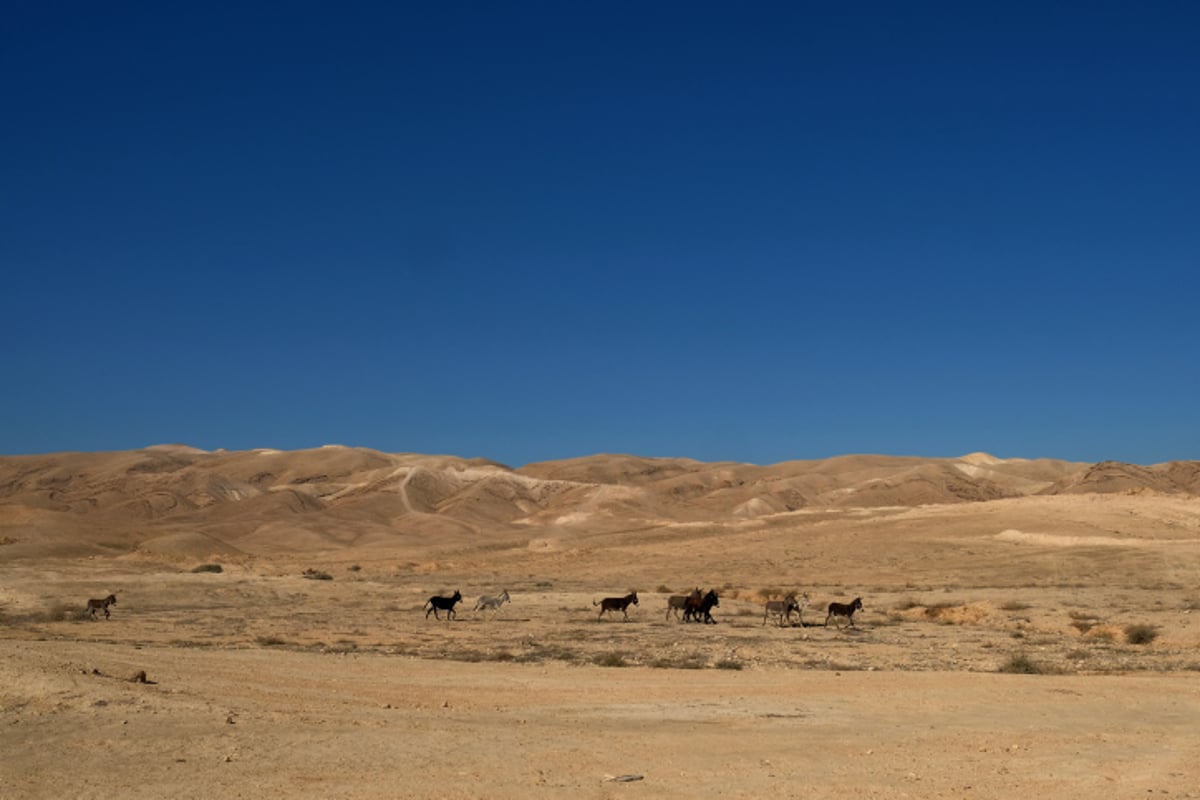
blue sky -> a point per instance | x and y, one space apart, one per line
758 233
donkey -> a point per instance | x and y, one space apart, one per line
700 610
616 604
679 602
444 603
95 605
846 610
784 608
493 603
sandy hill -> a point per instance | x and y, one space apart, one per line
1174 477
177 500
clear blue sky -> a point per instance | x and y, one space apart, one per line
724 231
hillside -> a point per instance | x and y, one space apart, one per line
177 500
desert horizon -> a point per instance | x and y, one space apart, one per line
789 249
1026 625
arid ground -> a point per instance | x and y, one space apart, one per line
1027 628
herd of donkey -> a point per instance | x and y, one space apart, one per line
694 607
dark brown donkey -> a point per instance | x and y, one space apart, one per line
617 604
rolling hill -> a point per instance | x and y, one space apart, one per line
173 499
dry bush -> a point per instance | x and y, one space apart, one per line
208 568
1140 633
728 663
690 661
1022 664
610 659
1014 605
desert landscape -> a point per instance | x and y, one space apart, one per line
1026 627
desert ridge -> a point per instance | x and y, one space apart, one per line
174 499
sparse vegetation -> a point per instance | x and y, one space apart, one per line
271 641
317 575
1022 664
691 661
208 568
1083 621
610 659
550 652
1140 633
728 663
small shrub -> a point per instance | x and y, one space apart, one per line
1140 634
317 575
354 567
271 641
683 662
610 660
663 589
1082 625
905 604
208 568
1021 664
1014 605
728 663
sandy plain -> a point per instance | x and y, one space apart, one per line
992 659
